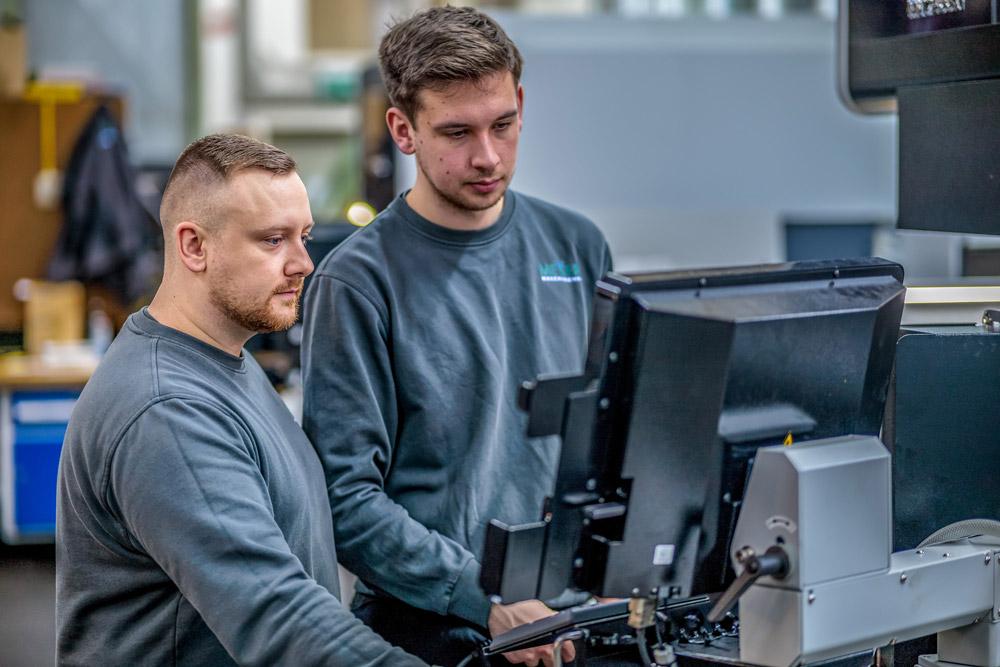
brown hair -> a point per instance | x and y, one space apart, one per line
214 159
441 45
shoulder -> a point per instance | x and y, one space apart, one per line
367 265
548 218
187 411
181 427
366 249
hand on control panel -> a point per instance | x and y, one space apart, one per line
504 617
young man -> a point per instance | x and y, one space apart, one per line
193 522
419 330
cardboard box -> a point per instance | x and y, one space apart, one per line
13 59
53 311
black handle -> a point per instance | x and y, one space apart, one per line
773 562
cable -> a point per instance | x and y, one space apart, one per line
640 641
659 637
467 660
962 530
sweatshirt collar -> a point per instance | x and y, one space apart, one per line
145 323
450 236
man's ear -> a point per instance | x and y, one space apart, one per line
401 130
520 106
190 240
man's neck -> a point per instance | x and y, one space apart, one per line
198 320
428 204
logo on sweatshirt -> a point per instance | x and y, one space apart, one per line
560 272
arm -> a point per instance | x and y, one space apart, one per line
188 490
350 414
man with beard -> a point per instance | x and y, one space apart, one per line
193 522
419 330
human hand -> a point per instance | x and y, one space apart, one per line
504 617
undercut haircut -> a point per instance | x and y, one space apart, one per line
211 161
439 46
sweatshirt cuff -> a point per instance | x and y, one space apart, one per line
467 599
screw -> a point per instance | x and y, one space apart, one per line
920 552
605 403
578 563
836 273
703 281
811 598
635 592
945 554
989 557
591 484
903 578
613 357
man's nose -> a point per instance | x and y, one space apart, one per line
485 157
299 263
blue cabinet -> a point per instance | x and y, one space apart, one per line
32 428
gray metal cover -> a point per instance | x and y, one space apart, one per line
842 485
781 627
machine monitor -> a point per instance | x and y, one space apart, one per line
936 62
688 373
888 44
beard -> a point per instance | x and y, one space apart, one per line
253 315
461 201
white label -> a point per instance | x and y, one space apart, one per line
777 521
53 411
663 554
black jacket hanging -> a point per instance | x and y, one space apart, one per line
108 237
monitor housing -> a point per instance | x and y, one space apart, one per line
688 373
937 63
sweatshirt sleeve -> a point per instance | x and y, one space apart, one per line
187 487
350 414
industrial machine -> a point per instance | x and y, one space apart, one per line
725 438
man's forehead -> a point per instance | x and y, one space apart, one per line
497 90
251 192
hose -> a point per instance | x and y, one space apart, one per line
962 530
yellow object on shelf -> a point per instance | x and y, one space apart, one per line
48 94
48 181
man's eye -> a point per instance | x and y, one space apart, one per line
457 135
273 241
503 126
306 238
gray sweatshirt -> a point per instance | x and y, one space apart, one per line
417 338
193 526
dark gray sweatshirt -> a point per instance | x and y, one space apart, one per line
416 340
193 524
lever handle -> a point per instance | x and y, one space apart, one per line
773 562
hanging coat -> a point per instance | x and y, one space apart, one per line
108 236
